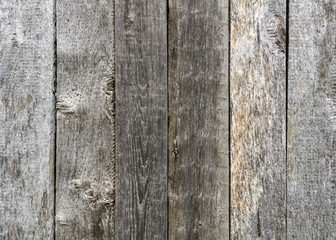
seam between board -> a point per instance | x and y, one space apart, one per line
167 114
286 148
55 114
229 115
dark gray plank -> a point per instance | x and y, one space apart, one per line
26 119
311 120
198 114
85 120
258 122
141 119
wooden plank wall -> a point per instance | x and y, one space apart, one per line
258 122
141 119
27 122
85 161
311 176
128 119
198 120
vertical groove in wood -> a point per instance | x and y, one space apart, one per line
141 119
198 120
85 165
311 120
26 119
258 122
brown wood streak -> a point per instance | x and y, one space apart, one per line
198 120
311 120
26 119
85 167
258 123
141 119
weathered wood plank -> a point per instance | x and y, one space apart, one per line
199 116
258 122
141 119
85 120
311 120
26 119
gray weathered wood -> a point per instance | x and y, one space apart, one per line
311 120
141 119
258 127
26 119
198 115
85 161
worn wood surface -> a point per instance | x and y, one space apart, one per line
198 120
144 125
258 123
311 120
26 119
85 161
141 119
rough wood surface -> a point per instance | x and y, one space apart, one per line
141 119
198 120
258 123
26 119
312 120
85 161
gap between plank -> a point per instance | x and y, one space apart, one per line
55 111
168 126
229 115
287 47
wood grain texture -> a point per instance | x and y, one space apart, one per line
141 119
85 162
311 120
198 120
258 122
26 119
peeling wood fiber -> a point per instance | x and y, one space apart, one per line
258 119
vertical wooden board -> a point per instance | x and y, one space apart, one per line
26 119
311 120
141 119
198 120
85 164
258 122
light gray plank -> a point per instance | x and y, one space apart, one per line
26 119
198 120
85 120
141 119
311 120
258 122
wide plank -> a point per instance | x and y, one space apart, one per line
85 163
258 122
27 119
141 119
198 120
311 164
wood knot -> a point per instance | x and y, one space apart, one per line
75 185
91 195
65 108
127 25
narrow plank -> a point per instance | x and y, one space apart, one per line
85 164
198 120
26 119
311 120
258 122
141 119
